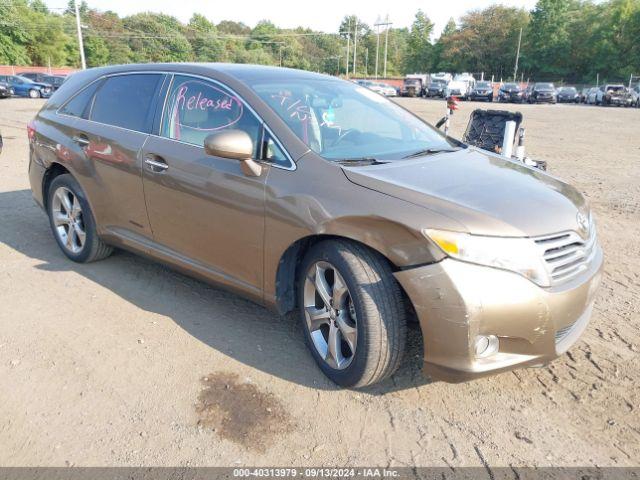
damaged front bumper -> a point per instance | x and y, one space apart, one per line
457 303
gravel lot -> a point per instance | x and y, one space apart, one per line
125 362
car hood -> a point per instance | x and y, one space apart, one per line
486 193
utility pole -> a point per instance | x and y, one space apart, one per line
382 23
355 45
366 62
377 25
515 70
83 62
386 44
348 44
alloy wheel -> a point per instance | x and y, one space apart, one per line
330 315
68 220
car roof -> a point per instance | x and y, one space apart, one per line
243 72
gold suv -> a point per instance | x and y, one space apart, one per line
305 192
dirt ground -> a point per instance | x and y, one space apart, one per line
125 362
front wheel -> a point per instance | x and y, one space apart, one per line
352 313
33 93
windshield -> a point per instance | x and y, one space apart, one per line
483 85
544 86
615 88
340 120
510 86
568 90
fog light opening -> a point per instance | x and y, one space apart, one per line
486 345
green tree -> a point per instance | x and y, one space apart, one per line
486 41
160 39
547 49
202 35
15 33
420 52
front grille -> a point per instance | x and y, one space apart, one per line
563 332
567 254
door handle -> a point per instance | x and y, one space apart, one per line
81 140
155 163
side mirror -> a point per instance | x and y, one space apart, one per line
234 144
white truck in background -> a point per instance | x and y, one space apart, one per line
460 86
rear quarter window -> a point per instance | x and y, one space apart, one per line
125 101
80 104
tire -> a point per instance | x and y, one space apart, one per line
33 93
371 313
92 248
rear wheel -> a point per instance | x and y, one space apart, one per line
33 93
352 313
72 222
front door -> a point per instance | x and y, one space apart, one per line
203 209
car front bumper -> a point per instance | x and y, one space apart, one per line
480 96
456 302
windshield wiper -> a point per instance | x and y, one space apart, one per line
431 151
363 160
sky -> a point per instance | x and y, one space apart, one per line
322 15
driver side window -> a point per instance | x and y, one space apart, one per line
196 108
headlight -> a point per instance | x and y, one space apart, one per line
518 255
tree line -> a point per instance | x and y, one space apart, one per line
570 40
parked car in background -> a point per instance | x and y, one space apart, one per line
482 91
436 88
614 94
378 87
313 195
568 95
583 94
55 81
385 89
25 87
592 96
543 92
510 92
35 76
5 90
636 95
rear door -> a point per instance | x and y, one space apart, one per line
201 207
111 135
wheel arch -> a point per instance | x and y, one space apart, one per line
54 170
289 264
401 249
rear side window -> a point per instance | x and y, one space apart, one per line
80 105
125 101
